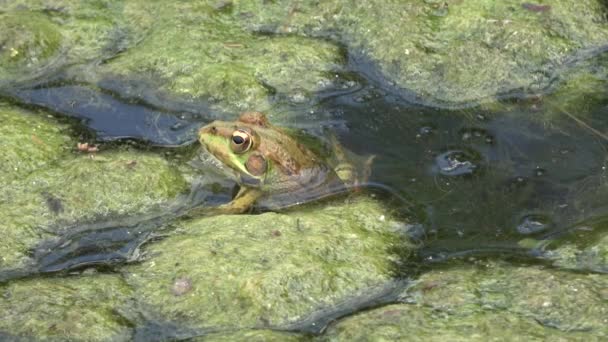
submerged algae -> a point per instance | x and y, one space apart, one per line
254 336
270 270
584 248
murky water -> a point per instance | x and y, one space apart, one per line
487 179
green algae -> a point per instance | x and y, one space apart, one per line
280 269
27 41
488 301
270 269
45 184
568 302
449 52
578 92
581 92
28 142
196 53
258 55
585 248
82 308
411 323
40 37
88 28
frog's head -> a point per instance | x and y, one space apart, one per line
236 145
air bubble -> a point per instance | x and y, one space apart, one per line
539 172
457 162
476 134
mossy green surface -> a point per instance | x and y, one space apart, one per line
578 92
269 269
27 41
557 299
280 269
448 52
29 142
39 37
580 95
193 51
587 254
46 184
84 308
490 301
255 54
410 323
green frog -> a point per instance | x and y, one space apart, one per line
277 168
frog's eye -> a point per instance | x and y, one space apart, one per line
241 141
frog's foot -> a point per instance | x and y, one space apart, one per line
224 209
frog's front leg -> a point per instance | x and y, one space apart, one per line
243 200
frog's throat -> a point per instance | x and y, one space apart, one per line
213 161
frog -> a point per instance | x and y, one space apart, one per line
275 167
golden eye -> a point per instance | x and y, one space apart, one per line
241 141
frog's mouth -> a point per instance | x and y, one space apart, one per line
209 159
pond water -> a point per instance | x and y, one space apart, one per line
505 181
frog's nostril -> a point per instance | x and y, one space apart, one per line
208 130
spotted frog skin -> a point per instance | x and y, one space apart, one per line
275 169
